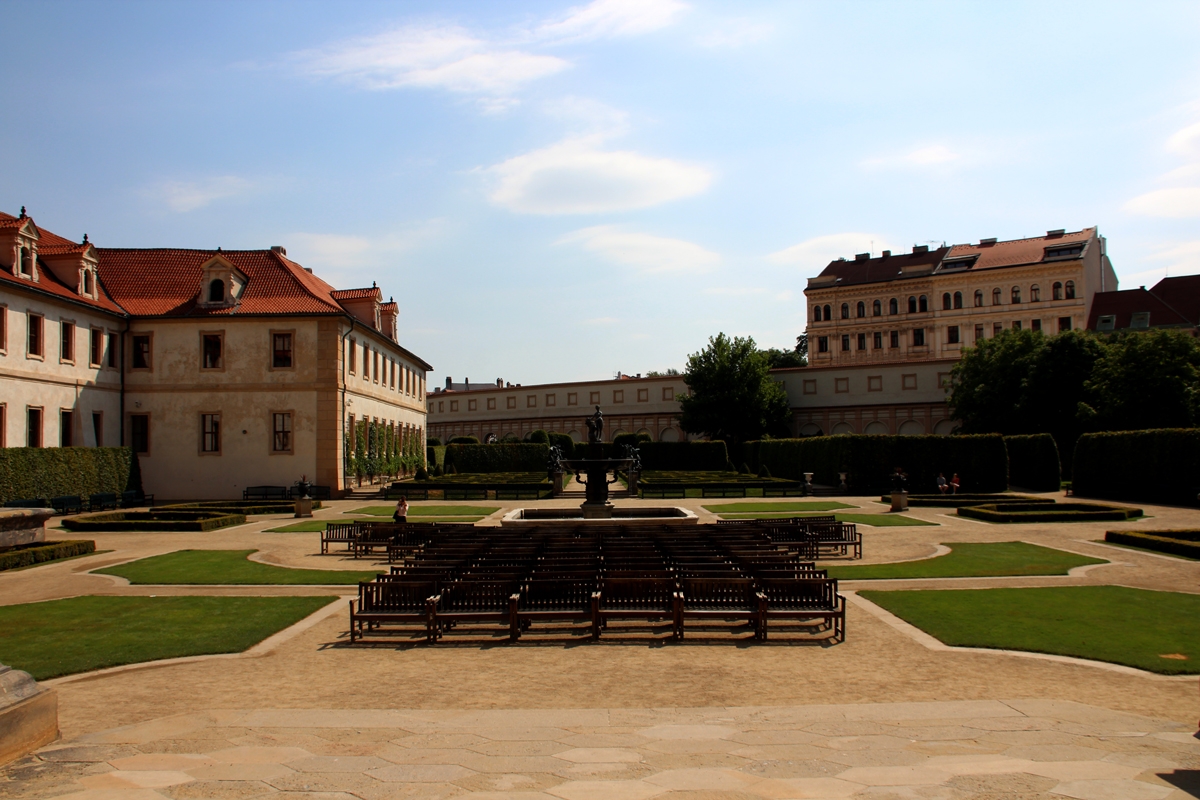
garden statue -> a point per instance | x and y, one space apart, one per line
595 426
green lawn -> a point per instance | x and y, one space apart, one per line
1134 627
981 560
62 637
207 567
737 508
876 520
428 511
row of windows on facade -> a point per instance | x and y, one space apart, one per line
953 335
102 345
950 301
34 427
376 364
551 399
210 433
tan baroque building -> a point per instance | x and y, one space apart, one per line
630 405
221 369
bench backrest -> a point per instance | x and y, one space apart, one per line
408 596
800 593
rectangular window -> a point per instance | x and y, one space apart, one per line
874 383
668 393
210 433
139 433
66 428
845 342
491 404
112 350
1036 325
952 334
33 427
511 401
618 395
66 349
572 398
392 377
35 342
141 351
862 341
1064 324
878 340
1016 325
211 347
3 329
98 428
997 328
841 385
3 425
97 347
894 339
375 361
551 399
810 386
643 395
472 405
453 406
281 427
353 356
281 351
594 398
822 344
531 401
979 333
908 382
366 371
918 337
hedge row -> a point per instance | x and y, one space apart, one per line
153 521
701 456
1155 466
435 456
980 461
497 457
239 507
1180 543
960 500
56 471
1033 462
1044 512
43 552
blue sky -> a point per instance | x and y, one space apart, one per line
558 191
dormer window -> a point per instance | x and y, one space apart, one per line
86 283
1069 251
221 284
1139 320
24 265
216 291
1107 322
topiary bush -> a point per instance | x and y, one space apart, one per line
422 474
56 471
435 457
632 439
433 441
464 440
1161 465
764 471
496 457
539 437
564 443
1033 462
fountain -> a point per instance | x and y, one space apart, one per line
593 472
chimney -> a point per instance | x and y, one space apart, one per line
499 383
467 382
449 381
887 253
862 256
985 242
1056 232
278 248
920 248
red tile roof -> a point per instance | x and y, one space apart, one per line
358 294
53 244
390 306
1017 251
1182 294
166 282
1124 304
878 270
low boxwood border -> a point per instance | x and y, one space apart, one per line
242 506
153 521
1179 543
1041 512
961 500
42 552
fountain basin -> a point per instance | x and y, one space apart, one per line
665 515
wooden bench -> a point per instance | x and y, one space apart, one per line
102 501
719 600
32 502
267 493
339 532
394 603
803 601
67 504
477 601
136 499
560 598
646 599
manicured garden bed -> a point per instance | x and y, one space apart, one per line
960 500
1155 631
875 520
227 567
974 560
697 483
429 511
26 555
1178 543
1042 512
780 509
63 637
246 507
153 520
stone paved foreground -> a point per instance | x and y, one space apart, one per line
1011 750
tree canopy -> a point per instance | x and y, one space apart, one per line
731 393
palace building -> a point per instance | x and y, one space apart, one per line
221 369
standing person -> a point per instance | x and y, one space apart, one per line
954 484
401 512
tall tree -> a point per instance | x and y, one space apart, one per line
731 394
1147 379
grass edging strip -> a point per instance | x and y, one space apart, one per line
44 552
227 568
1179 543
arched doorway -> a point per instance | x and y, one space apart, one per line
576 436
810 429
668 435
945 427
842 428
910 427
876 427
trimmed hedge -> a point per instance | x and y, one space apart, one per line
700 456
435 456
522 457
564 443
1180 543
960 500
1033 462
980 461
1044 512
464 440
57 471
240 506
635 439
1161 465
42 552
153 521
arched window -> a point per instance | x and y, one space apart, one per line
893 306
877 309
828 313
946 301
924 305
216 291
978 298
995 297
816 314
24 261
1056 291
958 299
845 311
861 310
1070 290
1016 294
1035 294
912 305
87 281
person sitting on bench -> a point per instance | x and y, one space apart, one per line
941 483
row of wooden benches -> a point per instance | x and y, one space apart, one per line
77 504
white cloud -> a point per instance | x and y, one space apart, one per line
933 155
1174 203
817 252
612 18
444 57
1182 258
347 260
651 253
734 33
183 196
576 177
1186 142
587 116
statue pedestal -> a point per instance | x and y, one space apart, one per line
304 507
28 714
597 510
899 501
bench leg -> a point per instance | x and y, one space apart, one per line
595 616
351 622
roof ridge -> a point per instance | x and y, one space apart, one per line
1026 238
